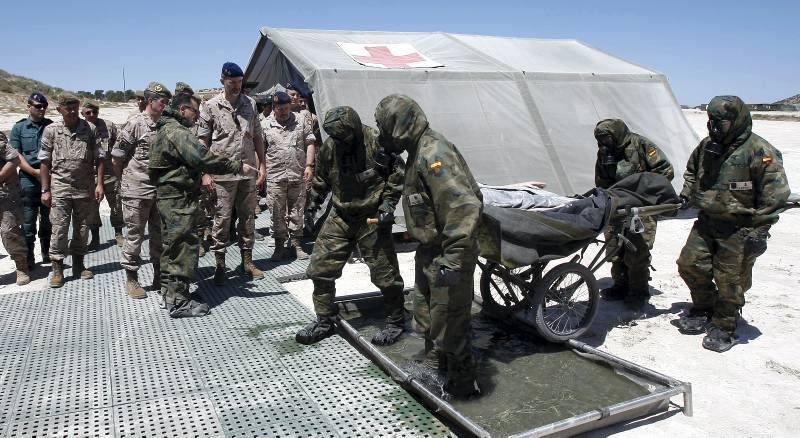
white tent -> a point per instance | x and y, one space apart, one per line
519 109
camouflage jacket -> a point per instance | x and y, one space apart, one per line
73 155
106 138
746 184
636 154
177 161
358 186
7 153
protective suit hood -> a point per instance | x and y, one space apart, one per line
401 120
734 109
341 122
616 128
174 114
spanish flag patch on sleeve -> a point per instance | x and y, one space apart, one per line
436 164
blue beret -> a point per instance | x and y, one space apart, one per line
231 70
281 97
38 98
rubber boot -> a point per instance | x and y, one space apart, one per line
57 278
248 267
298 249
279 253
389 334
132 286
637 298
94 244
321 328
119 237
23 274
45 246
719 340
156 276
219 272
615 293
179 303
694 322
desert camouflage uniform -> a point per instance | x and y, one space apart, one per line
232 130
11 207
285 157
636 154
177 162
442 205
139 207
73 156
359 190
107 137
739 194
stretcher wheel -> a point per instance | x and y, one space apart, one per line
502 293
565 302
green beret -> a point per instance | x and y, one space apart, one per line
183 87
91 104
67 98
158 89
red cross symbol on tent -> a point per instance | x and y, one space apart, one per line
381 55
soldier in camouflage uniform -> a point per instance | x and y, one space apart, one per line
107 137
737 181
622 153
442 205
69 155
11 211
139 208
364 184
228 125
177 161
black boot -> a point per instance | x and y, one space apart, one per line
614 293
695 321
45 246
719 340
390 334
30 259
95 242
318 330
637 298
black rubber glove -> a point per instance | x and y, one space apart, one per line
446 277
385 219
755 242
685 203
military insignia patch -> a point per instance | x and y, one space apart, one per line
414 199
436 167
740 185
766 160
651 152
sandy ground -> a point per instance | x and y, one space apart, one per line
749 391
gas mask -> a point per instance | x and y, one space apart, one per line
609 156
384 161
718 129
389 145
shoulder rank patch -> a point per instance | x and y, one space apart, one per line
651 152
767 159
436 167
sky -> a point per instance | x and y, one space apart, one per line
704 47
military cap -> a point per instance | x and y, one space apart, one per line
183 87
281 97
91 104
158 89
37 98
231 70
67 98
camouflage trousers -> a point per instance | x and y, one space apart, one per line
111 189
335 242
181 245
444 313
717 269
62 212
11 226
241 196
139 214
286 200
631 267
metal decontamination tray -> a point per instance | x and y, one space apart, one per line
531 388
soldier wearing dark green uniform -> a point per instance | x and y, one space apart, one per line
364 183
442 205
26 136
622 153
176 164
736 179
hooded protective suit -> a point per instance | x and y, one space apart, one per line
632 153
739 186
360 189
442 205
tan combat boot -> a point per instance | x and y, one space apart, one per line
23 274
79 270
219 271
57 279
132 286
298 249
280 251
248 267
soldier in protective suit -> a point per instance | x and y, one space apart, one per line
442 205
620 154
176 163
737 181
365 184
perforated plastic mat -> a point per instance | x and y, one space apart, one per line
85 360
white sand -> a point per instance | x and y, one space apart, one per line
751 390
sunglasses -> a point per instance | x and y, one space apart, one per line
38 105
